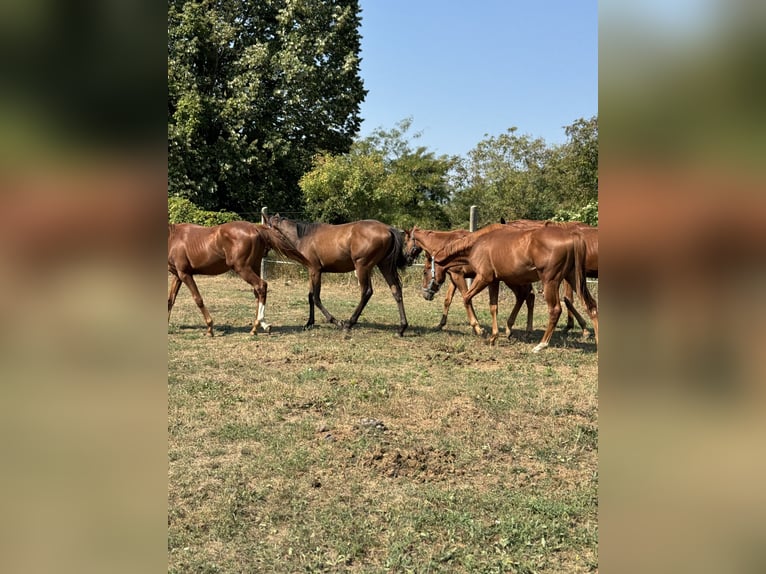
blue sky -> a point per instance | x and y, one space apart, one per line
464 69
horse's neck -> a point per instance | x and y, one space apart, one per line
433 241
292 237
488 228
460 245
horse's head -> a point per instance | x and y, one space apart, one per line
433 277
411 248
273 220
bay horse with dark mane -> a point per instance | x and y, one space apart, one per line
358 246
429 241
239 246
550 254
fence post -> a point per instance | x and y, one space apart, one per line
472 224
264 217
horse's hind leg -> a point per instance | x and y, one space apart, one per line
365 286
524 294
479 283
530 299
173 293
572 312
395 284
551 293
592 307
192 286
447 302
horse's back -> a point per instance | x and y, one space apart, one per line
212 250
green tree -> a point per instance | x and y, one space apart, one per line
504 176
255 90
516 177
382 177
574 166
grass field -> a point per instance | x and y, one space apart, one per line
314 451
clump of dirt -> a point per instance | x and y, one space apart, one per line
422 464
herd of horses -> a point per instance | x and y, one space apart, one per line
517 253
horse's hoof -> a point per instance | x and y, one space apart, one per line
585 334
539 347
308 326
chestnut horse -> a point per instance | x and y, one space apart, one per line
429 241
591 261
238 246
550 254
359 246
590 234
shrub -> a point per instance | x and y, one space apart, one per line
588 213
182 210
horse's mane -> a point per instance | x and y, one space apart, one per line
304 228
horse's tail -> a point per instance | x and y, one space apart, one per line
396 258
277 242
581 280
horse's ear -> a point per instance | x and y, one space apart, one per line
502 220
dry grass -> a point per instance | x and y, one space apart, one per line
319 452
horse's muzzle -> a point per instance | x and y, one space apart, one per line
428 295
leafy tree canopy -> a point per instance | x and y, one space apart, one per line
384 177
519 177
255 90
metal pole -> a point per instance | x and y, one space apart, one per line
264 218
472 225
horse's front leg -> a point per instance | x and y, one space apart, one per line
260 290
447 302
173 293
395 284
478 285
315 290
494 289
524 294
462 286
